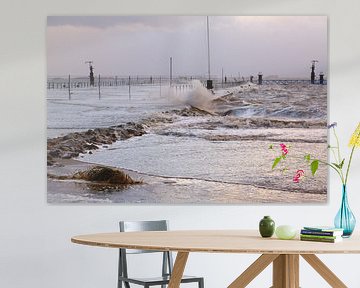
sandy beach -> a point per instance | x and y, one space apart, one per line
161 190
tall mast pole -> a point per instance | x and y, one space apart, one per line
209 83
208 44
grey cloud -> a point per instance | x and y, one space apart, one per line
239 45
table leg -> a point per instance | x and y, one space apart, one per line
178 269
253 270
286 271
324 271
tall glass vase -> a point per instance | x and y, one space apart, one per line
345 219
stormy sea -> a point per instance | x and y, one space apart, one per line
188 145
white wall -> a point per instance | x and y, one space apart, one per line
35 248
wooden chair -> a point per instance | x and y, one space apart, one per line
167 262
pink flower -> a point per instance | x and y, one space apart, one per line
298 176
284 149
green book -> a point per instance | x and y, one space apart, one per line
319 236
325 240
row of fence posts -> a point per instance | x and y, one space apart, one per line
177 87
76 83
182 87
123 81
99 87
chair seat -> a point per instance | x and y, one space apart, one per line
158 280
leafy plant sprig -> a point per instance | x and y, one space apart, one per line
314 163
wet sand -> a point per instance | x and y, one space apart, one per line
165 190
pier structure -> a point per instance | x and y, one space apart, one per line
312 76
162 80
91 75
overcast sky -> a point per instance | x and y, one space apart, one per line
142 45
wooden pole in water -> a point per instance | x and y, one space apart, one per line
129 89
171 71
160 85
69 89
99 88
222 77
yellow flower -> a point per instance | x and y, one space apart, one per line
355 138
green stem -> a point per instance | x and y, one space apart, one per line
338 149
330 165
337 144
348 167
350 159
333 152
336 169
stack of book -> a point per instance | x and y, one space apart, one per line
321 234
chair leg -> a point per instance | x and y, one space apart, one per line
120 273
126 284
201 283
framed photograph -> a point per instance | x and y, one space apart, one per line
186 109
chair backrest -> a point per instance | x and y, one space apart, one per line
134 226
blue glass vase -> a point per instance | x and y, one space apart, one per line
345 219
